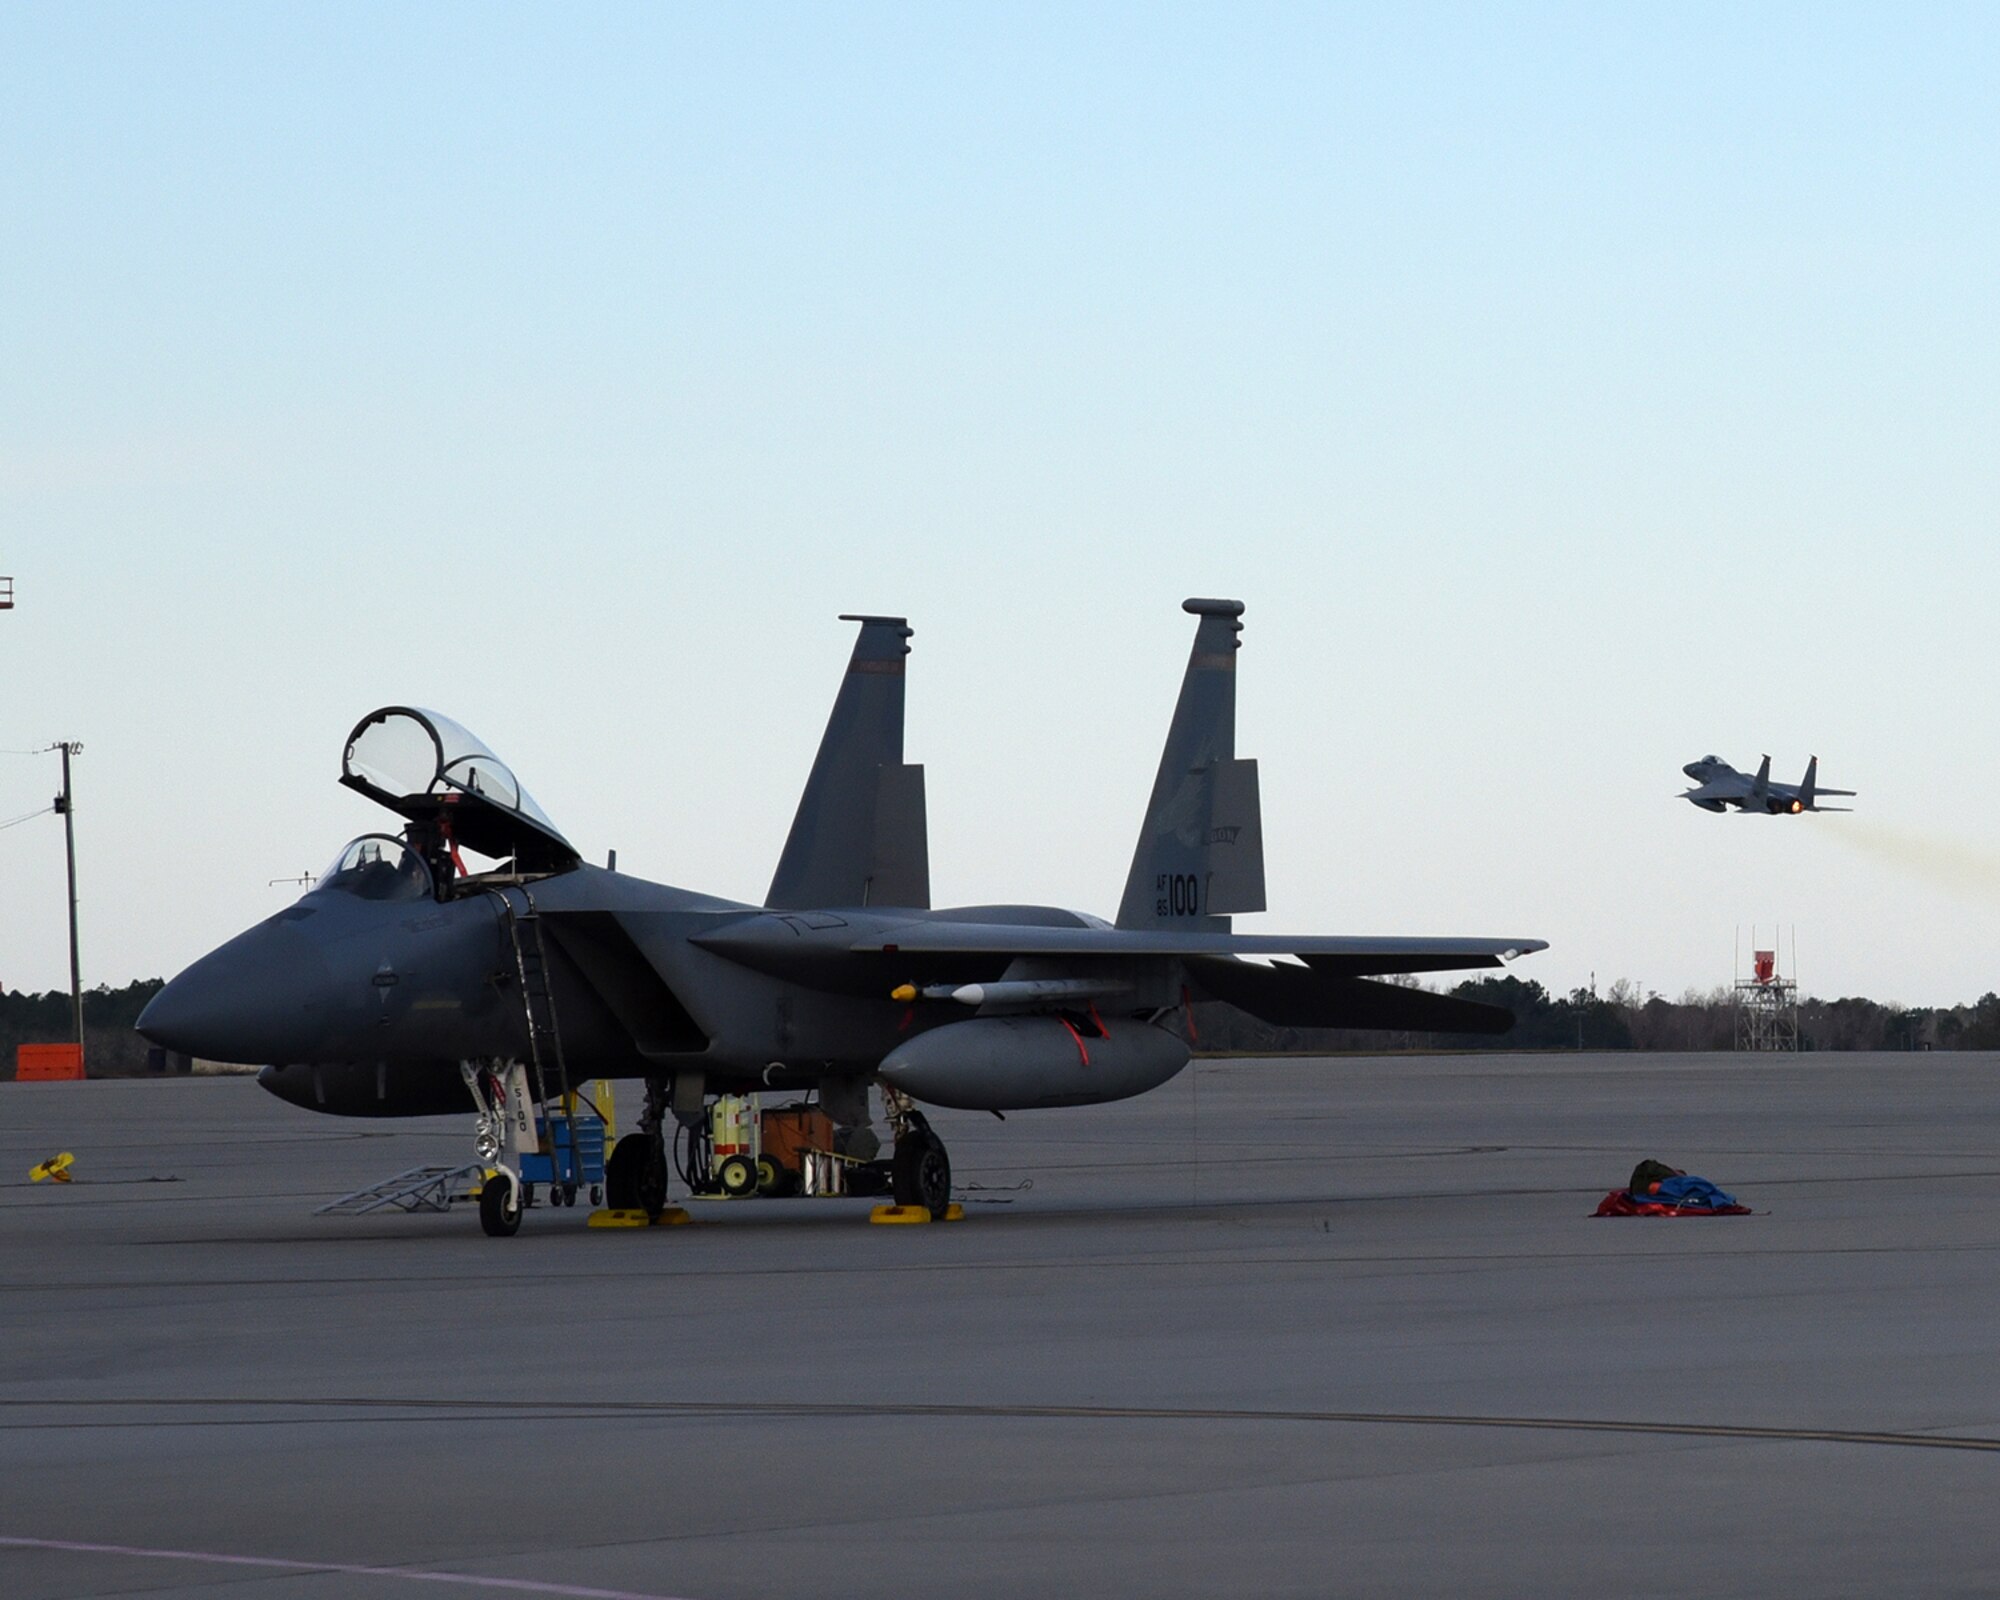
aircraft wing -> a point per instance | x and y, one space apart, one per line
1719 789
1312 997
1331 990
1344 955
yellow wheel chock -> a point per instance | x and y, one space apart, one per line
906 1215
672 1217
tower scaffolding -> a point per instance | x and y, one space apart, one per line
1767 1002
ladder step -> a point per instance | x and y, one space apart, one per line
538 1002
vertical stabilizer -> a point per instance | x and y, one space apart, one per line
1201 849
1809 785
1760 786
860 836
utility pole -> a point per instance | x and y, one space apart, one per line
65 803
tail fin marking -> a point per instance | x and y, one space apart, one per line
1200 855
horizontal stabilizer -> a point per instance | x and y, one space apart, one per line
1311 997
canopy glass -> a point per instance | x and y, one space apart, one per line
424 766
377 867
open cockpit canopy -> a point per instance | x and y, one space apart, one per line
424 766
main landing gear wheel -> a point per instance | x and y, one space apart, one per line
923 1172
736 1176
635 1178
621 1173
499 1207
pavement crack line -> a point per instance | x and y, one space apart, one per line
1165 1258
605 1410
217 1558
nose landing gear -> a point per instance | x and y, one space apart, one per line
500 1205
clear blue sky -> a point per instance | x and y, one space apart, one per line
1569 391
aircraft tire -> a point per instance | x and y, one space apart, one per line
635 1176
736 1176
922 1174
500 1218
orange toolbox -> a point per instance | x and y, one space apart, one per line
790 1131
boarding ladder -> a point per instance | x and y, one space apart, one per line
538 1005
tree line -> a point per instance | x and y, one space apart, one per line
110 1048
1623 1018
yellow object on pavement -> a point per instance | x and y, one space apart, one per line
672 1217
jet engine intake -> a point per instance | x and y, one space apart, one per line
1017 1063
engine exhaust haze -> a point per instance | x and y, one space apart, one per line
1957 865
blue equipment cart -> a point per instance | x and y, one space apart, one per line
574 1158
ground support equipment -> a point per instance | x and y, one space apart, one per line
419 1189
568 1158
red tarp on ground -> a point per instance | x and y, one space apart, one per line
1624 1203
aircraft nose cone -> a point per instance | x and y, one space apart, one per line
252 1001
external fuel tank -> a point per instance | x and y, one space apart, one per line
1014 1063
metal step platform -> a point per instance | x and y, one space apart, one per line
419 1189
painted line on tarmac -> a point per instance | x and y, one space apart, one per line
473 1410
349 1569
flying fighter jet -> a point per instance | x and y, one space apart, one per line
1720 786
402 982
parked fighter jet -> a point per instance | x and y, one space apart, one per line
1720 786
402 980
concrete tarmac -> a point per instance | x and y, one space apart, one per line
1280 1328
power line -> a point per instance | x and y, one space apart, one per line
15 822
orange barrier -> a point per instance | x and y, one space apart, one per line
47 1063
